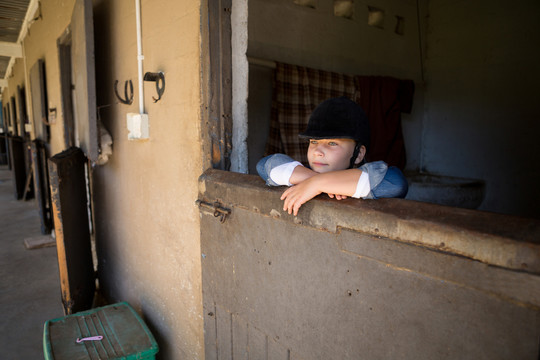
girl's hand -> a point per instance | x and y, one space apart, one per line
337 184
337 196
297 195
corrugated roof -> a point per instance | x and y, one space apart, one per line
12 15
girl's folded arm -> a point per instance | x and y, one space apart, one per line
343 182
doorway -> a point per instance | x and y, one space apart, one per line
64 57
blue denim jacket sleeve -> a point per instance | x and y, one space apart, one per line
266 164
385 181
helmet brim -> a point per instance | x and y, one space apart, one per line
317 136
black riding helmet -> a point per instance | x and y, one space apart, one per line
339 118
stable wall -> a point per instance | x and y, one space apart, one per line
16 79
481 117
147 223
146 220
40 43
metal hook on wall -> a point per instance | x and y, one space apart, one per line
128 98
158 77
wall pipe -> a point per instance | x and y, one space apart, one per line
140 56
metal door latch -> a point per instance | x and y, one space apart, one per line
215 209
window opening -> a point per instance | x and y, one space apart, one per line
344 8
375 17
64 55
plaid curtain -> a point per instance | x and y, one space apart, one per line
297 91
384 99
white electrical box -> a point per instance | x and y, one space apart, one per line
138 127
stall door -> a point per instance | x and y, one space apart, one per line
83 79
70 212
39 145
69 172
16 160
41 184
346 280
39 101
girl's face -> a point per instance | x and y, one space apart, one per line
326 155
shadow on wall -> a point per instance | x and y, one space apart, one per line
445 190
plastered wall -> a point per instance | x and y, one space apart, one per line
147 223
40 43
481 118
16 79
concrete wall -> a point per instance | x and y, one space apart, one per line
481 117
147 223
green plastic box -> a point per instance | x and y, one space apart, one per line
124 335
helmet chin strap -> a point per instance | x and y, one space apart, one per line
355 155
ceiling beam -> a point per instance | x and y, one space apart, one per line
33 7
10 49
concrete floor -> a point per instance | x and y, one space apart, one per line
29 280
